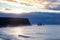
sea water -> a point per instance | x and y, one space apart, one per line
34 32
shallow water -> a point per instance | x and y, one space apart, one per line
46 32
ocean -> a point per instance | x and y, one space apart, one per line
34 32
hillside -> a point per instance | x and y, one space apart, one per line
37 17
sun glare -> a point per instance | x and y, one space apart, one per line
16 31
14 11
17 11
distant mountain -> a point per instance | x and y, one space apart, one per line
37 17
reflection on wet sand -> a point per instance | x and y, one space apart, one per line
46 32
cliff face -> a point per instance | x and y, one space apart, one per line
4 21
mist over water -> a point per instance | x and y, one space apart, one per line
34 32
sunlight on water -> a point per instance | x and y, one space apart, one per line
46 32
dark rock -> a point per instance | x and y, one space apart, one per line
4 21
24 36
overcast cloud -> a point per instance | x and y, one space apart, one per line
31 5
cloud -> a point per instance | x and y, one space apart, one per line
42 4
55 5
36 3
30 5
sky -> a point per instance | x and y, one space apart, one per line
25 6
